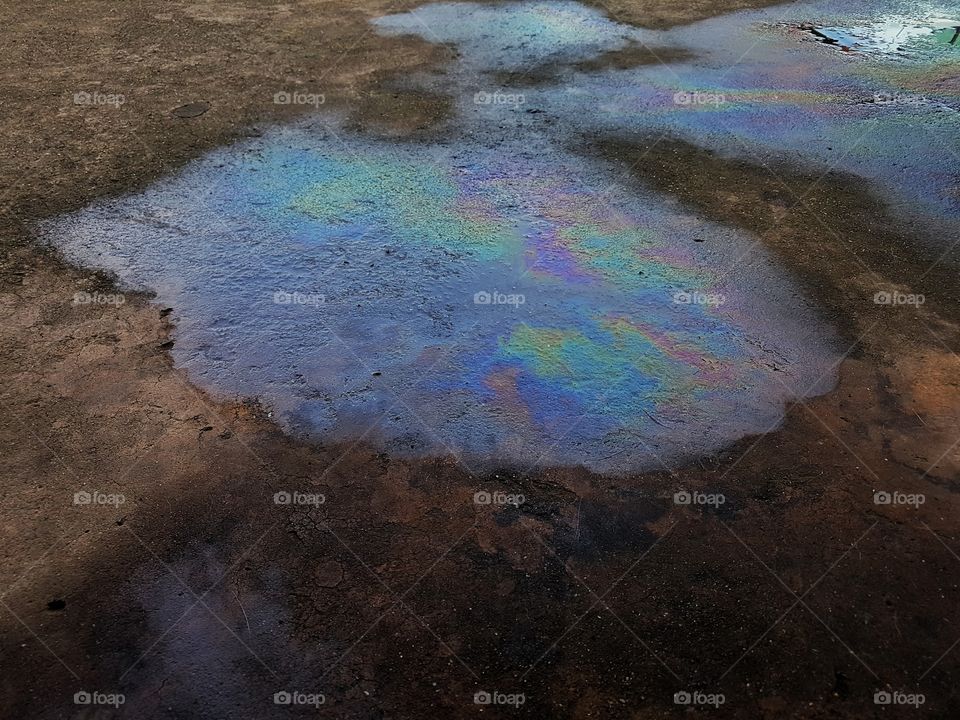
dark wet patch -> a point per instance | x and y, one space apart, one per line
56 605
300 600
602 529
534 77
634 55
631 56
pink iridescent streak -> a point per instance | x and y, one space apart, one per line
503 383
710 374
546 254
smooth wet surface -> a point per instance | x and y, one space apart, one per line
495 294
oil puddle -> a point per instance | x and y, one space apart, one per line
502 301
496 295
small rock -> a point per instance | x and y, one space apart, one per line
191 110
328 574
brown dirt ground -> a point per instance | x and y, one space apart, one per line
660 14
397 598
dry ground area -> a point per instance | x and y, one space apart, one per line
398 598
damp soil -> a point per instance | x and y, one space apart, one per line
661 14
399 596
631 56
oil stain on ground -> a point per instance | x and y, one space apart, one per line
496 295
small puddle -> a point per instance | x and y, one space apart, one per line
892 36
